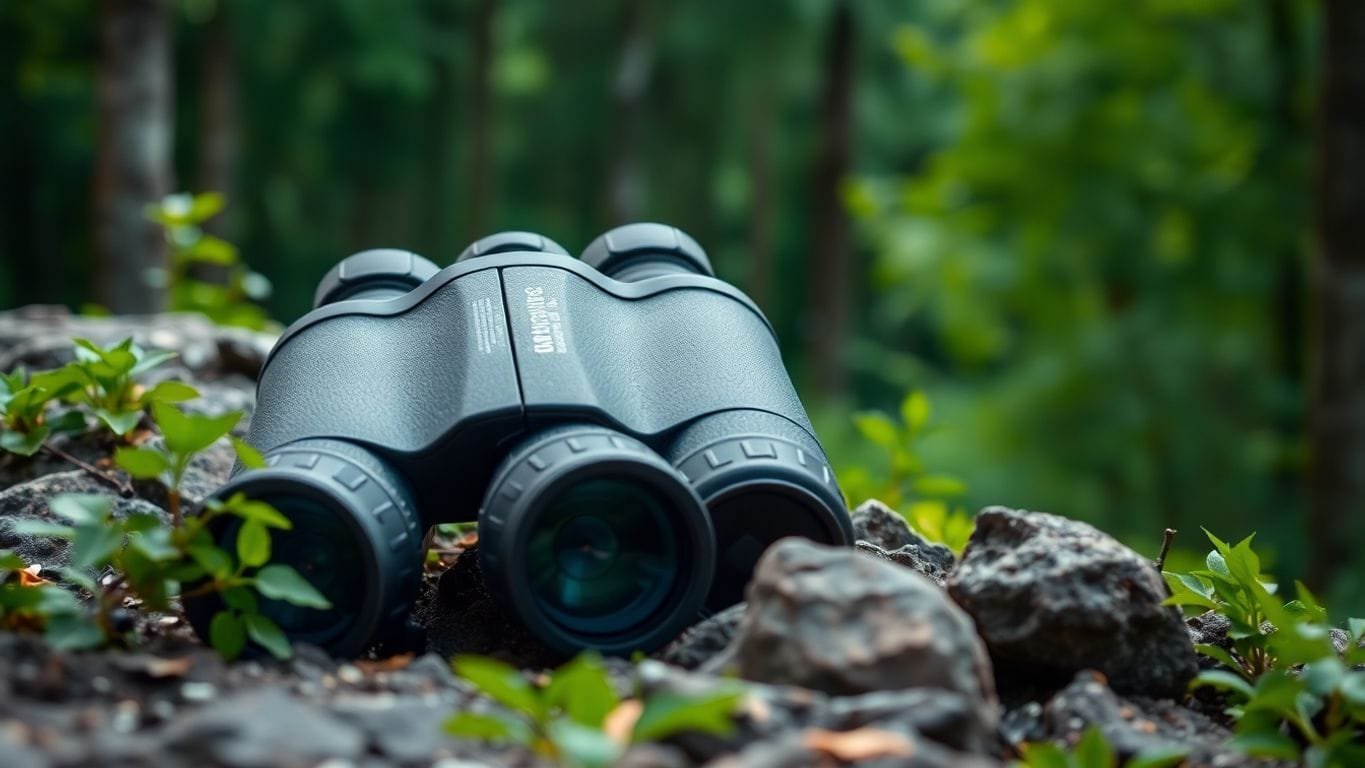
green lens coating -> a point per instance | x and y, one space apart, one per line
324 550
602 555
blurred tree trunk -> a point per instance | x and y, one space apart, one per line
1337 421
133 155
481 177
218 117
633 70
440 172
831 257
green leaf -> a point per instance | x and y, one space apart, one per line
10 561
249 456
253 544
1042 754
583 691
1322 677
915 411
1219 655
186 433
667 714
94 545
1357 627
242 599
154 544
1223 680
877 428
1353 688
939 486
1093 750
119 422
69 422
81 508
268 635
24 443
149 361
500 682
1158 757
78 577
44 528
73 633
1266 744
227 634
583 746
169 392
142 463
250 509
280 582
212 559
1216 563
491 727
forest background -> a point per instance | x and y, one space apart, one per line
1093 258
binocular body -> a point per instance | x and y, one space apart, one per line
621 427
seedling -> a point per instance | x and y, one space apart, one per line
1094 751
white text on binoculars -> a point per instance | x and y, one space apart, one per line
547 332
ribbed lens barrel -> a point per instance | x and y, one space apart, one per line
380 273
354 536
637 252
595 542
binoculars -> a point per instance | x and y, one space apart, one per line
620 425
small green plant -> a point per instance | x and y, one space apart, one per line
922 497
153 562
183 436
1315 713
28 602
207 274
1093 751
24 401
1264 630
575 717
106 382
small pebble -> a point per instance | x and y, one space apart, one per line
197 691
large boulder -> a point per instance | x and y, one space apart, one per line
29 501
836 620
1053 596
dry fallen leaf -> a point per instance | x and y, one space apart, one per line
859 744
620 722
391 664
469 540
29 577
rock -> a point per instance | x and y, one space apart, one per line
956 721
1053 596
934 561
406 730
29 501
838 621
1130 725
262 728
653 756
40 337
876 523
464 618
705 640
874 748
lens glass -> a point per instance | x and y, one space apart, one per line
602 555
324 549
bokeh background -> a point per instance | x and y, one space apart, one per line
1051 254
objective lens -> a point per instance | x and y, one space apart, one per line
602 556
324 550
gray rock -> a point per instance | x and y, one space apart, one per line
1053 596
705 640
876 523
653 756
406 730
956 721
933 561
29 501
40 337
835 620
266 727
895 749
1130 725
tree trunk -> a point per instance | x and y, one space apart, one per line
218 123
133 164
831 257
633 70
482 189
1337 420
762 207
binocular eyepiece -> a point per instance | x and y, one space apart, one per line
620 425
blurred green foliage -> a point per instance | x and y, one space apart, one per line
1081 226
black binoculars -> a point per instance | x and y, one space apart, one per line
620 425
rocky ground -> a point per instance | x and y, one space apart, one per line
1045 627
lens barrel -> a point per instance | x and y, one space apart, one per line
380 273
637 252
509 242
594 541
355 537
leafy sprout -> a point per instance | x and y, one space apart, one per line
576 717
106 382
1094 751
24 401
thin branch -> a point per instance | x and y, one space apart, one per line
124 488
1167 537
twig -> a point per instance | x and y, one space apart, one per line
122 487
1166 538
